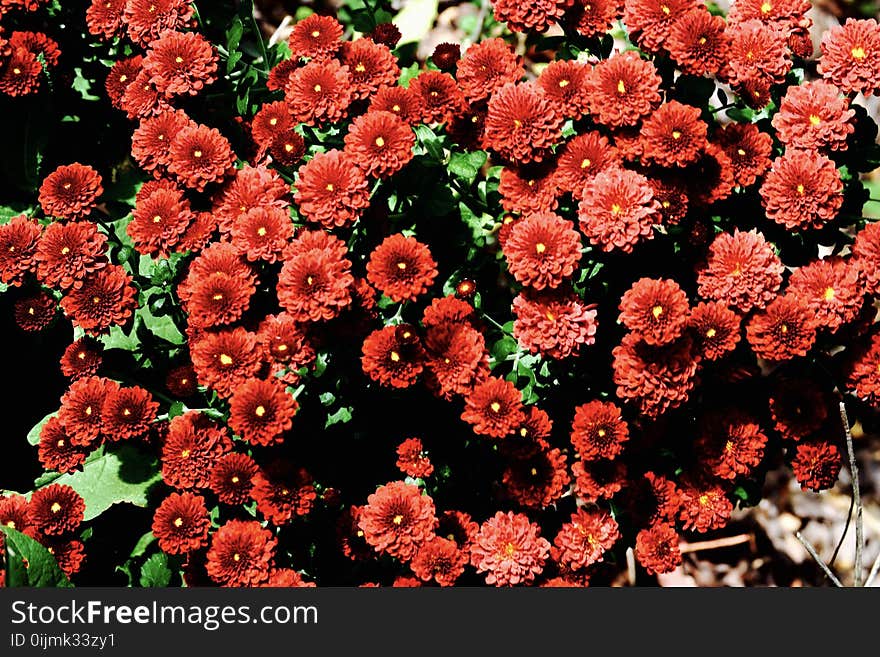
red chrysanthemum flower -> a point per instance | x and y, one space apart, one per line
20 73
656 310
192 447
531 15
486 67
864 374
401 268
70 191
466 127
225 360
742 270
814 115
704 506
181 381
315 285
251 187
284 341
447 310
82 358
159 221
672 196
56 451
554 324
388 34
36 312
106 19
657 549
731 444
710 178
262 233
673 135
241 554
231 478
282 491
758 52
319 92
542 251
456 354
748 149
14 512
392 356
18 245
522 124
107 297
123 73
200 155
68 253
402 101
152 138
851 56
397 520
441 560
494 408
598 480
315 37
830 288
650 21
331 191
618 209
785 329
598 431
218 286
446 56
785 13
536 479
38 44
581 159
261 411
716 329
56 509
802 190
698 43
141 98
371 66
623 89
563 83
272 118
798 407
509 549
655 378
147 19
81 406
181 523
529 188
380 143
287 147
69 554
412 460
279 75
866 252
584 540
593 18
127 413
440 96
181 63
816 465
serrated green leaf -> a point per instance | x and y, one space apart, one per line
118 477
341 416
118 339
31 564
155 571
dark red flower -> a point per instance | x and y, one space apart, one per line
798 406
147 19
650 21
70 191
315 285
522 124
554 324
698 42
56 509
218 286
315 37
81 406
531 15
593 18
370 65
193 446
816 464
657 548
529 188
107 297
181 63
397 520
282 492
446 56
402 101
20 73
36 312
152 138
598 480
401 268
623 89
18 245
160 219
598 431
261 411
412 460
392 356
509 549
69 554
251 187
121 76
831 289
272 119
758 53
82 358
581 159
379 143
106 19
704 506
864 374
456 354
241 554
331 190
181 381
742 270
441 560
716 329
494 408
851 56
584 540
141 99
618 209
319 92
814 115
231 478
542 250
537 478
56 451
785 329
181 523
802 190
748 149
563 82
656 310
287 147
486 67
68 253
14 512
731 444
441 98
262 233
127 413
673 135
200 155
226 359
38 44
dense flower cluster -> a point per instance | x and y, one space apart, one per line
472 320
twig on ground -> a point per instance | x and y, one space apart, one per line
812 551
727 541
857 501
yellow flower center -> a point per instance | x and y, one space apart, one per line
236 557
197 154
65 250
360 68
676 134
585 163
815 120
178 522
260 411
495 406
509 549
330 187
178 59
317 88
858 52
563 84
740 152
401 266
615 208
157 219
235 479
765 8
550 316
261 231
380 142
621 88
540 247
783 329
800 189
657 311
225 359
711 333
395 357
397 519
55 508
273 121
665 9
829 293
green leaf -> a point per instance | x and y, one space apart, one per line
83 85
342 416
162 327
467 165
31 564
143 543
430 142
33 436
155 571
118 477
117 339
7 212
503 348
